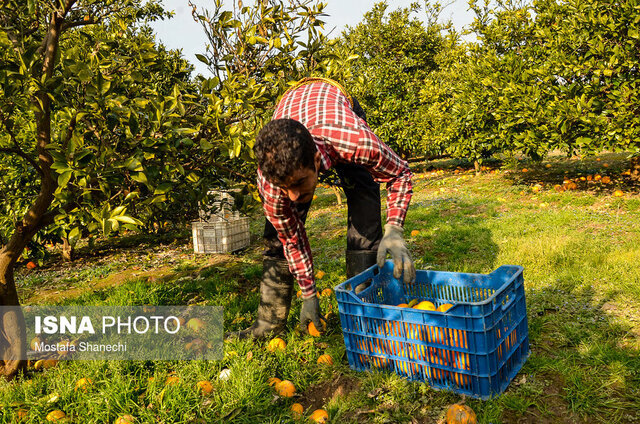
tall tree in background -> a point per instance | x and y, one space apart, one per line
91 128
396 52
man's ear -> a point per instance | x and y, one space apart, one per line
317 160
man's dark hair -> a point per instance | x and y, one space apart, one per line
282 147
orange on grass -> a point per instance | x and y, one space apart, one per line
425 305
525 170
298 293
313 331
56 415
285 388
297 410
326 292
598 177
22 413
31 265
83 384
273 381
125 419
45 363
415 233
171 380
325 359
205 386
461 414
320 274
34 342
548 165
195 324
319 416
618 193
605 180
276 344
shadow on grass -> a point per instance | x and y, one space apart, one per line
584 365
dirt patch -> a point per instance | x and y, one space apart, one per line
318 395
556 407
158 275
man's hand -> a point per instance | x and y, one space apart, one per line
310 312
393 243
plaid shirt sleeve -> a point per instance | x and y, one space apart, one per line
284 218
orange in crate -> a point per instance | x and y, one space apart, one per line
462 363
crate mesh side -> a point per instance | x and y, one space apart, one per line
223 236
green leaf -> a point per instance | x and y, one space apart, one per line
128 220
203 59
63 179
163 188
140 177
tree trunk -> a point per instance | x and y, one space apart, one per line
476 166
68 252
635 168
13 336
13 345
336 191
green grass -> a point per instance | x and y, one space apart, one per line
579 248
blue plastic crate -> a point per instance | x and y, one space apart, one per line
475 348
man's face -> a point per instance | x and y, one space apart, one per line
301 185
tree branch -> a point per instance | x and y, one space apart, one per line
24 156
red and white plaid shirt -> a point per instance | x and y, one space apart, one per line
340 136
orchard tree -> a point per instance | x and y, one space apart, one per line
394 52
93 130
255 53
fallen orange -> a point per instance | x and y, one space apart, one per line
125 419
205 386
313 331
319 416
83 384
297 410
325 359
273 381
55 416
276 344
285 388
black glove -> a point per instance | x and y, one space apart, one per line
310 312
